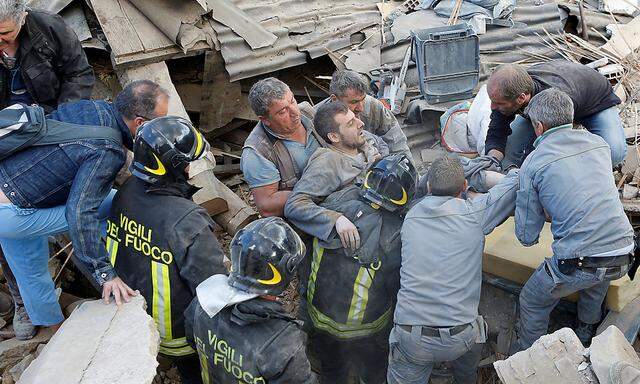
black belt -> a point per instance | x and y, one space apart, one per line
590 264
435 331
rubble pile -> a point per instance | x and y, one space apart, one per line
560 358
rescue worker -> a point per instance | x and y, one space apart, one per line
568 179
64 186
41 61
159 241
237 323
510 136
279 146
436 317
353 277
352 88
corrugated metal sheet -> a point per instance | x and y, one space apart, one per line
304 29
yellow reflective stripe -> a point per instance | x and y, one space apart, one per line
360 295
161 299
315 265
179 342
204 365
183 351
354 326
347 331
112 249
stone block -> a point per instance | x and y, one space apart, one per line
505 257
608 348
557 358
100 344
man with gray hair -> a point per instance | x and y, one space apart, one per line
279 146
351 88
41 59
510 136
436 316
567 179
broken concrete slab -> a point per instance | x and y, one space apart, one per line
12 351
557 358
608 348
100 344
505 257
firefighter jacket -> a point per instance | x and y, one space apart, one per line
252 342
351 295
162 244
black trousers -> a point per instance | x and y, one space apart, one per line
362 360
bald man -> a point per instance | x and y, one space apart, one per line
510 137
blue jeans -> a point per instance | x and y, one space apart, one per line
23 237
77 175
606 124
412 355
542 292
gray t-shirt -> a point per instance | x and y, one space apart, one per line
442 246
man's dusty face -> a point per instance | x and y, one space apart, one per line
350 130
283 116
354 100
505 106
9 30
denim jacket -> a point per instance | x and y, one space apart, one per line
77 174
569 177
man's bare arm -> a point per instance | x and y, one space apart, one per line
269 200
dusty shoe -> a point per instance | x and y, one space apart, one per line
22 325
585 332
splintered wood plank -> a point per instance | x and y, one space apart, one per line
117 27
221 99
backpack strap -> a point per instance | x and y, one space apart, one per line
61 132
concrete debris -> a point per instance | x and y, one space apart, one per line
552 359
16 371
110 345
608 348
12 351
629 191
625 38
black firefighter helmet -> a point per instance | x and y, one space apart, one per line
264 256
164 147
390 182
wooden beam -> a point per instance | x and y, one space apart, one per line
220 97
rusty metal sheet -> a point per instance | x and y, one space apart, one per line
305 29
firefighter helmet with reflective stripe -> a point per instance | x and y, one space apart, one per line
390 182
164 147
264 256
